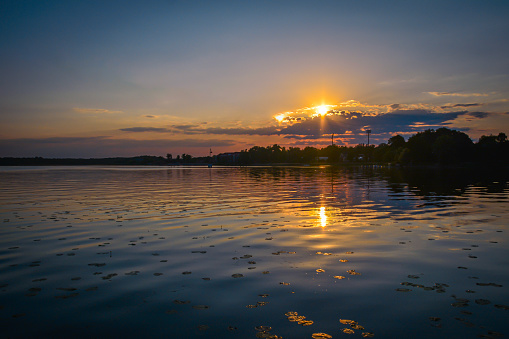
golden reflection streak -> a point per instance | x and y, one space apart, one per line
323 217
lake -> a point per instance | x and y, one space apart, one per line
261 252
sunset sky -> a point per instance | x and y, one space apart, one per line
126 78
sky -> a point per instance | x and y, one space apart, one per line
113 78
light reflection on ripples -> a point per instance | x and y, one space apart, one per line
119 245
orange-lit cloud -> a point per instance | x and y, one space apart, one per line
94 111
439 94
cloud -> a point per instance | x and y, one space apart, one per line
439 94
479 115
340 123
196 129
462 105
145 129
151 116
94 111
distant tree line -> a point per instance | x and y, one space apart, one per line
441 146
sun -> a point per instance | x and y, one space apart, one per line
279 117
322 110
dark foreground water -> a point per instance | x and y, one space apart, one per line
252 252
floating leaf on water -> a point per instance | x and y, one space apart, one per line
347 322
251 306
488 284
320 270
306 322
348 331
266 272
201 307
459 304
262 303
482 301
411 276
349 252
284 283
263 295
502 307
357 327
352 272
68 289
109 276
368 334
462 268
289 314
403 289
237 275
321 336
206 279
132 273
186 272
343 260
158 274
296 318
97 264
37 280
181 302
66 296
262 328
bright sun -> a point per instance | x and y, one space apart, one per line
322 110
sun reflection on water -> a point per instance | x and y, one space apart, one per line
323 217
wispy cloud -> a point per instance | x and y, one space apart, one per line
145 129
440 94
461 105
94 110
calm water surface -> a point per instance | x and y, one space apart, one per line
252 252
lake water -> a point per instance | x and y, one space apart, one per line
253 252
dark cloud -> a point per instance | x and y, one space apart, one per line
462 105
395 106
145 129
479 115
194 129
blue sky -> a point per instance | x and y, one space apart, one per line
124 78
